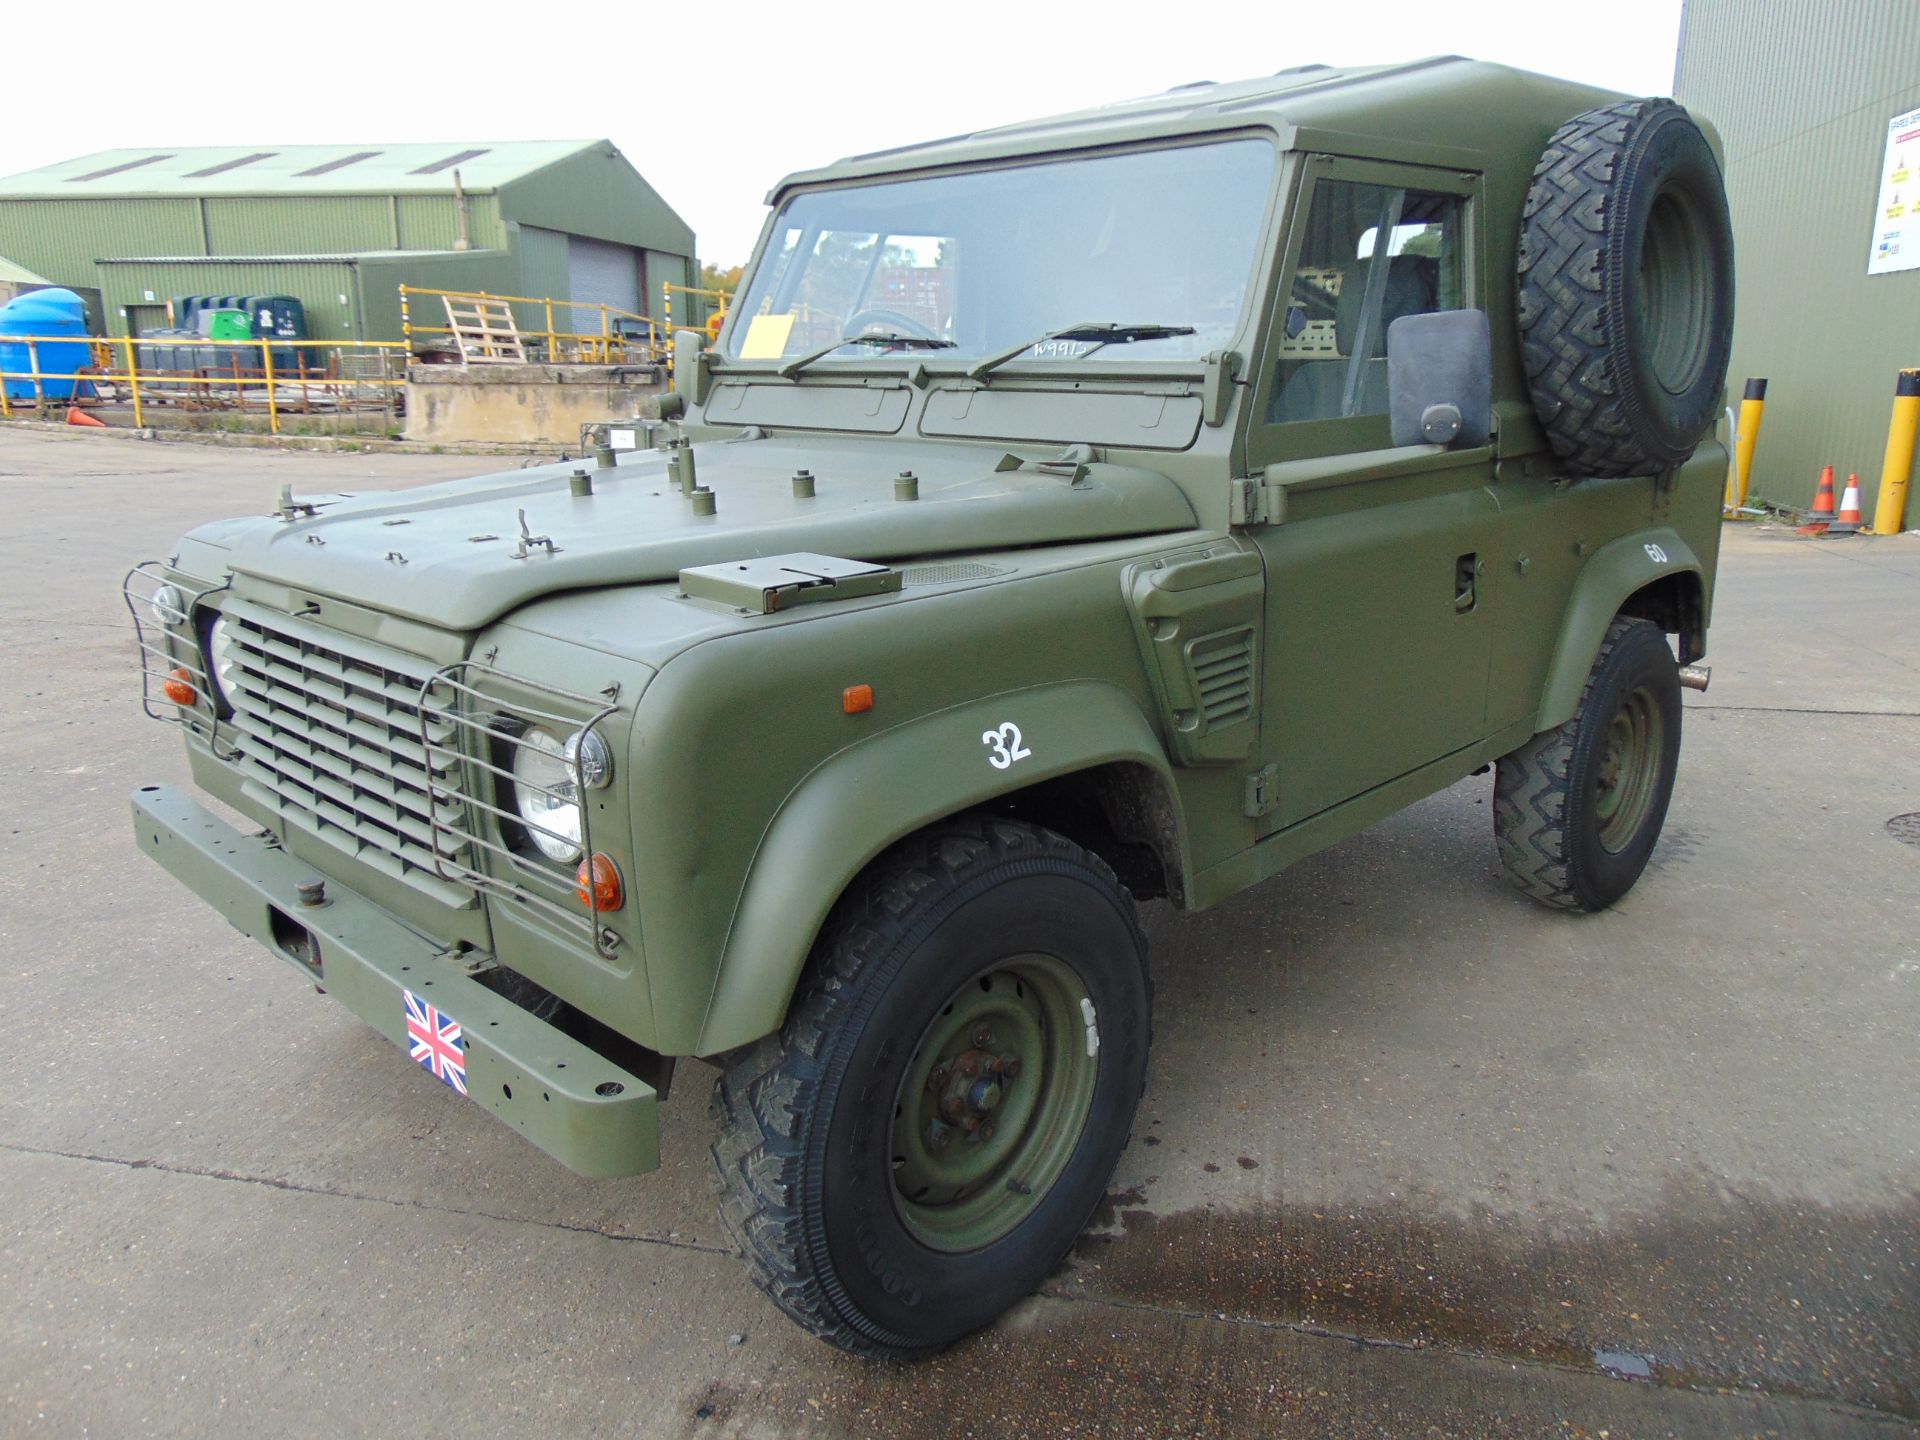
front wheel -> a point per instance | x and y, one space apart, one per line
932 1127
1577 809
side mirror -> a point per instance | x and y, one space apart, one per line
1440 378
691 377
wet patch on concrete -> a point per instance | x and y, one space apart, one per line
1677 845
1713 1290
1054 1370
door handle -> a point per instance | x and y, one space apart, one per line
1464 570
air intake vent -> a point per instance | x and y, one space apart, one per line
948 571
1221 666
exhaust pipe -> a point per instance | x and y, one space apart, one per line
1696 677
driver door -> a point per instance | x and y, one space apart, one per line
1378 628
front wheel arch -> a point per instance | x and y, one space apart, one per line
870 796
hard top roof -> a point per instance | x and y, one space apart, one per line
1446 102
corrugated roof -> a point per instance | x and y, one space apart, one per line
12 274
328 259
344 169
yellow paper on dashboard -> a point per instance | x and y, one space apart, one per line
767 337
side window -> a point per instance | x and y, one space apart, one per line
1349 283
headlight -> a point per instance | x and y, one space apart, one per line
545 794
220 662
168 606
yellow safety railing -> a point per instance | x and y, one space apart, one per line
251 369
722 300
606 347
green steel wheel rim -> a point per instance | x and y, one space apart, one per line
1676 292
1628 774
993 1102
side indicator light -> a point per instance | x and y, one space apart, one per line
857 699
179 687
597 883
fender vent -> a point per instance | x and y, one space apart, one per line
1221 665
950 571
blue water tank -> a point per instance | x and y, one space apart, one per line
41 313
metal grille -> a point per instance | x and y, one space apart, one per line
331 742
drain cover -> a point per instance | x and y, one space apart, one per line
1905 828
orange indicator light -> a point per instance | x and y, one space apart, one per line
857 699
597 883
179 687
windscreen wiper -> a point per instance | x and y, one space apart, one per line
1099 332
878 337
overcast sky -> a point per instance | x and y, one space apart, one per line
760 90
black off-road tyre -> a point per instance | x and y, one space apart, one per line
805 1159
1626 289
1560 839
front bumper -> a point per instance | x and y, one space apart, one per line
586 1112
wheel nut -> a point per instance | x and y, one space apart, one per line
983 1037
1009 1066
986 1131
939 1136
973 1126
938 1078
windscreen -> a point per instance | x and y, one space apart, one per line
967 266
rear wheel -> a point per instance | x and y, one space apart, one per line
928 1133
1577 809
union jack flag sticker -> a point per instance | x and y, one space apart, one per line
433 1039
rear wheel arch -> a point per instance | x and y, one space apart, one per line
1649 575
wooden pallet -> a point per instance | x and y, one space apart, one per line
485 332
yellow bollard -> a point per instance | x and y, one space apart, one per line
273 403
133 383
1896 471
1753 405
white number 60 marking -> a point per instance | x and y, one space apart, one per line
1006 745
1655 554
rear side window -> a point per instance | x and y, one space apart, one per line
1347 287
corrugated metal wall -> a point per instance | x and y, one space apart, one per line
594 194
333 225
543 270
1801 92
61 239
325 288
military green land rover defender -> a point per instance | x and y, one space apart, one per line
1118 506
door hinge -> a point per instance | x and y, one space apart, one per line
1254 502
1262 793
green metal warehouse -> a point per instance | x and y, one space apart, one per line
1818 103
342 227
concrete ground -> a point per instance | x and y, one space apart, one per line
1416 1158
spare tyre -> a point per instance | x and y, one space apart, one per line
1626 289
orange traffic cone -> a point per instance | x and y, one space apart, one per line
1821 515
1849 521
77 416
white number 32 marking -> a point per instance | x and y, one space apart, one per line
1006 745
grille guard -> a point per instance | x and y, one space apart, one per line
451 697
160 651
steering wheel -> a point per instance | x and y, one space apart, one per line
879 319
